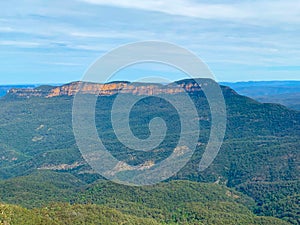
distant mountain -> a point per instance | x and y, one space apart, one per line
108 89
5 88
259 157
281 92
291 100
260 88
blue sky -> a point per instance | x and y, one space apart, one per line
56 41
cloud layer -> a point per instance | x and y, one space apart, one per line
271 11
55 41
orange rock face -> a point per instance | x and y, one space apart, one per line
110 89
114 88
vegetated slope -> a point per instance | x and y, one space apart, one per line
280 199
58 214
40 188
181 202
261 146
176 202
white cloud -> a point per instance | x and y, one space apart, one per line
277 10
91 47
6 29
108 34
62 63
23 44
176 7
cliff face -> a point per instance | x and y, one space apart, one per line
111 89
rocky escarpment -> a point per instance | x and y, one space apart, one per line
72 89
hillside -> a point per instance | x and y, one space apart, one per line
177 202
57 214
66 214
260 151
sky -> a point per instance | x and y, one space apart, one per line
56 41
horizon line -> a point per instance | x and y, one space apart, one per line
68 82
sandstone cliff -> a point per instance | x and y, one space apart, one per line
72 89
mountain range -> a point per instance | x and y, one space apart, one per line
281 92
254 178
